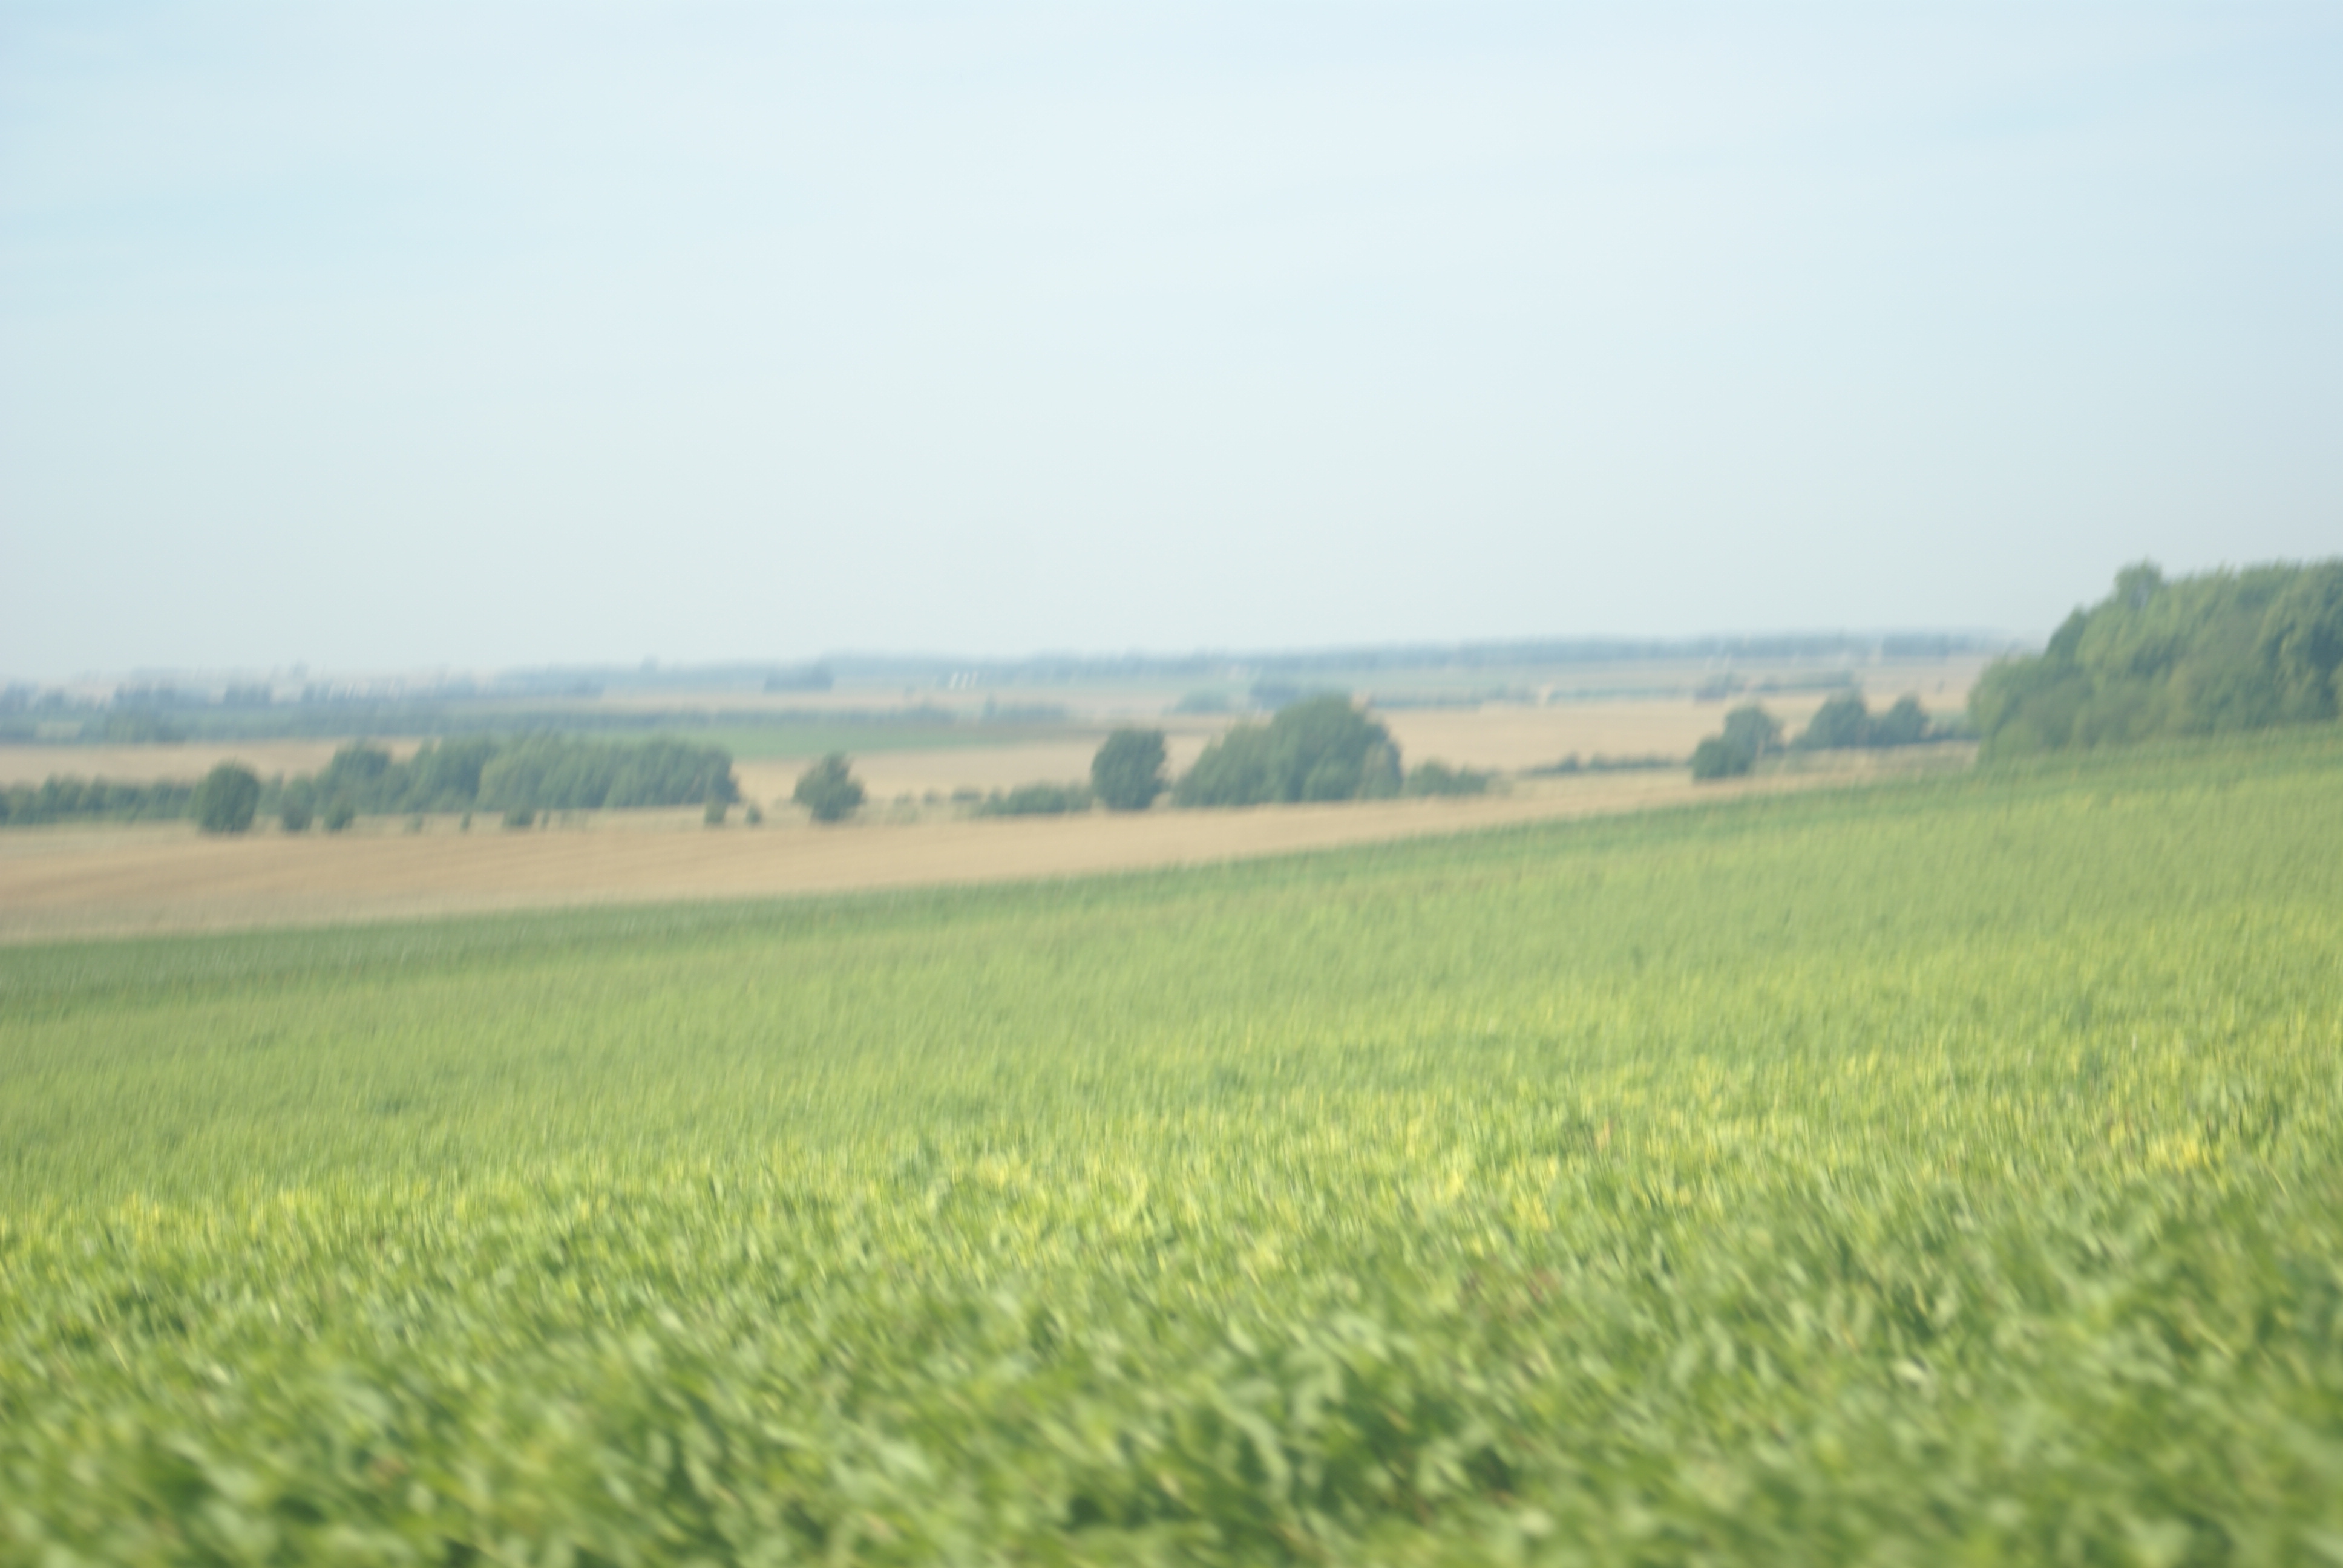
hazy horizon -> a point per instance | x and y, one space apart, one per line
547 337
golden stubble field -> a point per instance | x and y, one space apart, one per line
124 880
64 881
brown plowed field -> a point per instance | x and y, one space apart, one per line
163 877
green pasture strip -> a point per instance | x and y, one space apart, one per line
1946 1170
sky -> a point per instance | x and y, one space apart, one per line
477 334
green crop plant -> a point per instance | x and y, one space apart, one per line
1949 1171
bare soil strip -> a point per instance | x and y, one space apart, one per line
158 877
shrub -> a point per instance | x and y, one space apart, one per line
1036 801
295 813
1439 778
714 814
227 799
340 814
1716 758
828 789
519 817
1127 774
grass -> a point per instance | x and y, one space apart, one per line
1950 1171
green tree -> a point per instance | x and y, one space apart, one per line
828 789
1906 724
1750 729
1439 778
297 806
1716 758
226 799
1320 748
340 814
1127 774
1843 721
2211 654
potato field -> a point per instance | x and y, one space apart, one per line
1946 1172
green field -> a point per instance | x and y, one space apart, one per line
1949 1172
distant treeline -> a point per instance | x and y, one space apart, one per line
328 719
1300 665
65 799
2214 653
531 773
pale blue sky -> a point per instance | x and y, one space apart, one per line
479 335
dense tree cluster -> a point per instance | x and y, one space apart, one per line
2214 653
66 799
1321 748
1439 778
1846 722
530 774
1036 801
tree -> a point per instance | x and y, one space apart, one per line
1439 778
1716 758
1750 729
1321 748
1750 732
1127 774
340 814
1843 721
2212 654
227 799
297 806
1906 724
828 790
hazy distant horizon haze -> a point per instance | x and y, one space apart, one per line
527 335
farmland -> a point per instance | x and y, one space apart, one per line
1946 1170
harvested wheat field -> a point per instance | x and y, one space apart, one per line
185 761
163 877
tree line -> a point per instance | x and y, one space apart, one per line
1319 748
527 774
519 777
2214 653
63 799
1845 722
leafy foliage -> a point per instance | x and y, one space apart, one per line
2219 653
1948 1173
533 773
1716 758
828 789
1749 733
1439 778
1127 774
226 798
61 799
1320 748
1036 801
